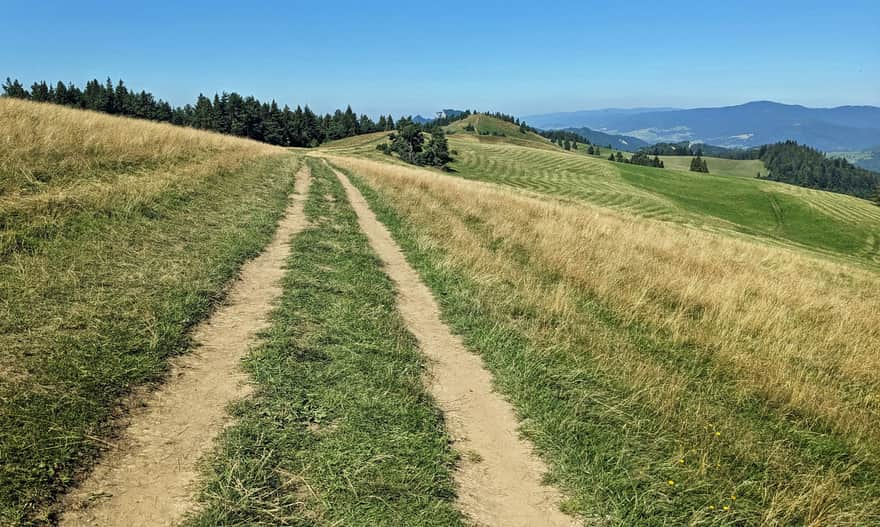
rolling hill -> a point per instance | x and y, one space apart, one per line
725 324
652 346
491 130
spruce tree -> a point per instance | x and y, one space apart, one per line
40 92
61 96
13 88
698 164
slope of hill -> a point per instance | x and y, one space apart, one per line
726 324
748 168
845 128
716 367
838 224
116 236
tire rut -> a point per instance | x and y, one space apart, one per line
499 479
148 478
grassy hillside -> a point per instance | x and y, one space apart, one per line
491 130
116 236
723 167
670 375
830 223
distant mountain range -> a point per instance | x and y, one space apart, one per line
620 142
845 128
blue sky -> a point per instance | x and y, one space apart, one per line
416 57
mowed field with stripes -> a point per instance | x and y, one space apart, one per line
825 222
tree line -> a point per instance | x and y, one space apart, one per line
639 158
228 113
569 140
686 148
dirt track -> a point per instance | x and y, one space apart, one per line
499 480
147 478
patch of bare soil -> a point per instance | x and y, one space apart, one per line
147 478
499 479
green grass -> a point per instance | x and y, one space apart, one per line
747 168
825 222
94 301
491 130
621 461
340 430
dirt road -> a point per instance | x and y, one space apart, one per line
148 478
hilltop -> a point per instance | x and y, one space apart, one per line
490 129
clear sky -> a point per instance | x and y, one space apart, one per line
419 56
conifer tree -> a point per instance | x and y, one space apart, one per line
13 88
40 92
698 164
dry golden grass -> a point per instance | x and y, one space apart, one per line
55 160
116 236
797 332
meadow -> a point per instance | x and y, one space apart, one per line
748 168
118 235
675 359
681 348
831 224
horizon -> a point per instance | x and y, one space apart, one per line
522 60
